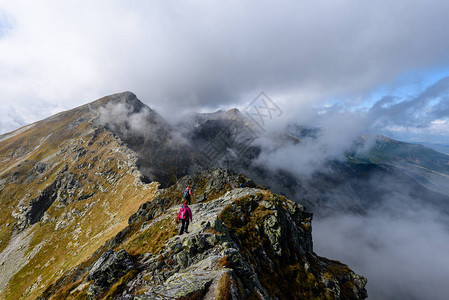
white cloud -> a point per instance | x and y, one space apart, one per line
440 126
402 253
202 54
436 127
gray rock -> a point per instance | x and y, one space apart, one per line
183 285
108 269
273 232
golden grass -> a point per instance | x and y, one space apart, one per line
118 287
65 292
64 249
151 240
224 288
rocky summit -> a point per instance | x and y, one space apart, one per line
89 199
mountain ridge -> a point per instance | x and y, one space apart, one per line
167 152
216 257
71 183
59 170
429 167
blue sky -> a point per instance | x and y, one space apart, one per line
406 85
201 55
405 89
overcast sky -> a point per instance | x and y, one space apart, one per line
386 61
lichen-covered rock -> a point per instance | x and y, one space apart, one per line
242 245
184 285
61 190
108 269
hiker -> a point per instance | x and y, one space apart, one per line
188 194
242 181
184 215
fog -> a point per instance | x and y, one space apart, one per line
121 115
401 244
404 254
336 132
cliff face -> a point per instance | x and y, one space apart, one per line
243 243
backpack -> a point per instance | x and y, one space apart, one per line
186 193
183 213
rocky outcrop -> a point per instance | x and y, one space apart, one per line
61 190
243 243
107 270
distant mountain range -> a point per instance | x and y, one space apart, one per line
429 167
442 148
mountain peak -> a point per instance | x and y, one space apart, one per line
233 111
127 98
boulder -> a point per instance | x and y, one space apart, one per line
108 269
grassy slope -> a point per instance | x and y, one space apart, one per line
116 195
392 152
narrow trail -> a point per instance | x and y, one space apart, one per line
16 132
22 159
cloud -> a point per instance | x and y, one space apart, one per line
125 115
416 111
13 117
121 116
422 114
11 121
418 117
403 253
332 133
198 55
400 243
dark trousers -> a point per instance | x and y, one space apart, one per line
184 226
188 199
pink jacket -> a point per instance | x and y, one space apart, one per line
188 212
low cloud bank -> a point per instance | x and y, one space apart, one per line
401 247
330 134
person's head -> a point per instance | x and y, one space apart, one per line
188 186
185 202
